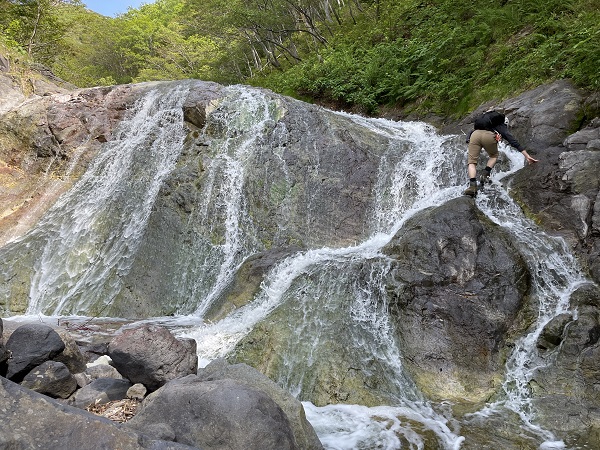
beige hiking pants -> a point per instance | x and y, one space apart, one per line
482 139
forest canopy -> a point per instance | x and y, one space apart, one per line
436 56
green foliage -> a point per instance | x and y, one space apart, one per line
425 56
447 57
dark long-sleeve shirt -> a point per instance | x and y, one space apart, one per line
503 130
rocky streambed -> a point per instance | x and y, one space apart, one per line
165 401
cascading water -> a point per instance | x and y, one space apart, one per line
408 182
209 266
83 245
555 276
337 294
88 238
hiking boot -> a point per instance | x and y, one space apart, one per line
471 190
484 179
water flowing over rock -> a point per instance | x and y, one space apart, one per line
564 391
332 252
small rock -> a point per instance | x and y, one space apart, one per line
51 378
137 391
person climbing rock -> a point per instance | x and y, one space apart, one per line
488 130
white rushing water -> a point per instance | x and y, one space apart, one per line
91 233
400 171
431 173
555 276
211 266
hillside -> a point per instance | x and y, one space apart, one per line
376 57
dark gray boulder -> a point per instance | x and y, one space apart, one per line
151 355
304 434
458 285
585 139
539 118
215 415
31 420
4 353
71 356
543 116
31 345
51 378
99 392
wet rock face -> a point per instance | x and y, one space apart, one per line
562 193
564 391
308 182
458 285
246 282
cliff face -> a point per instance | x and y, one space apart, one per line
47 140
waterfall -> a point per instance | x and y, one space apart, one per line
87 239
418 161
429 174
241 118
555 276
87 242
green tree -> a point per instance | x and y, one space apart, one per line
35 26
